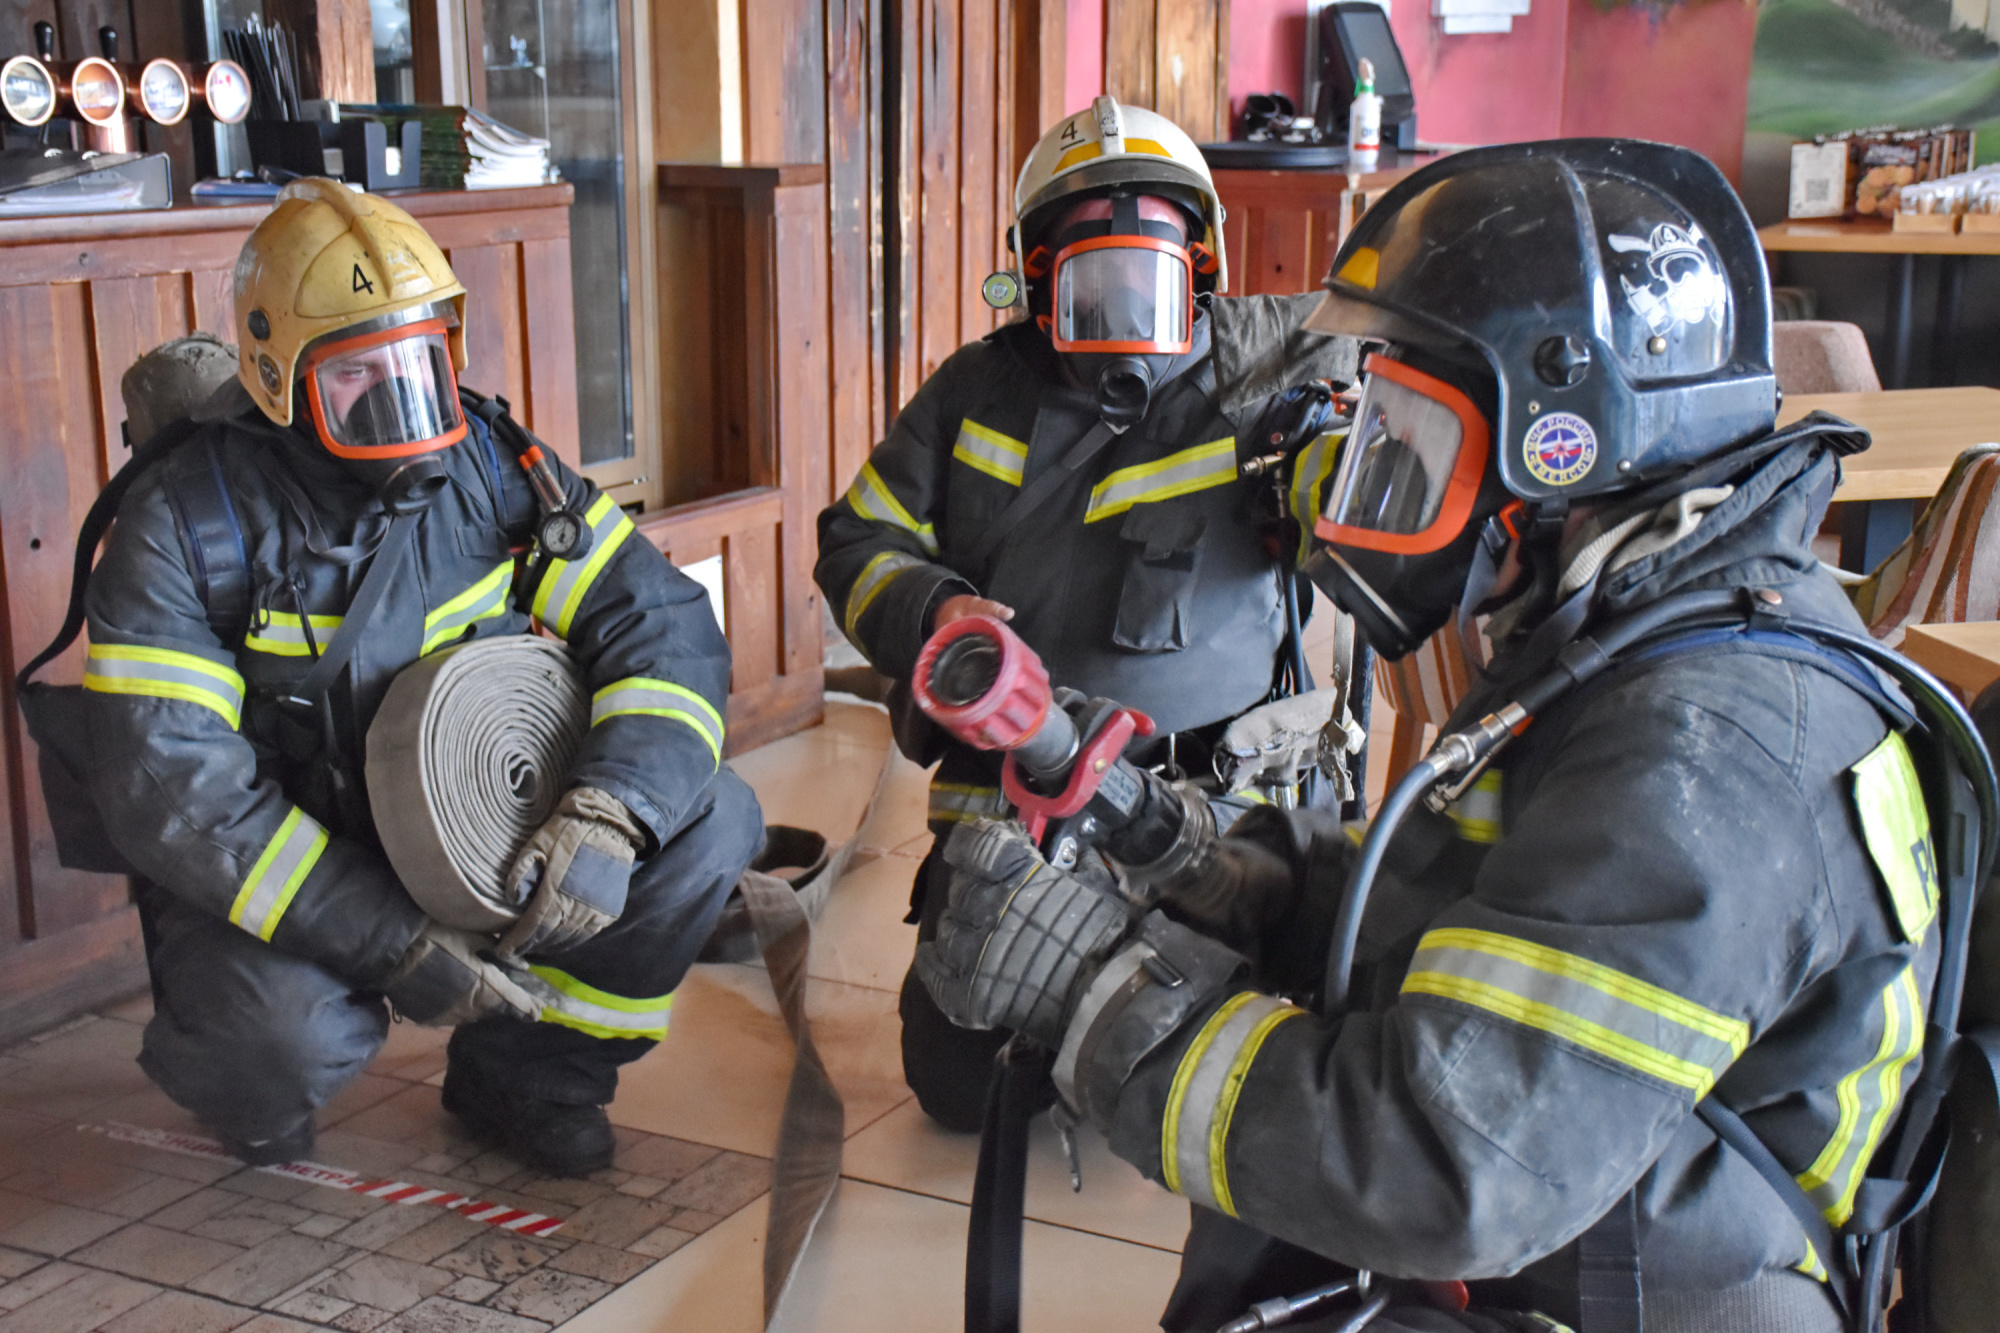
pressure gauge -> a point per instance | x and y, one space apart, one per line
226 91
96 91
163 92
28 91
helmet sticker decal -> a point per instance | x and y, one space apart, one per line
268 372
1682 286
1559 448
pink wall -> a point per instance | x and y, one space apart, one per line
1567 68
1684 78
1083 75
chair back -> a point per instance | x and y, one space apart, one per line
1948 570
1822 356
1425 685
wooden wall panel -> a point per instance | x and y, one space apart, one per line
212 296
1171 56
939 120
853 203
129 317
980 56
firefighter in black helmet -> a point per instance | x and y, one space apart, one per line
1708 874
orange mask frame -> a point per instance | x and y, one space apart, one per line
321 355
1140 346
1461 489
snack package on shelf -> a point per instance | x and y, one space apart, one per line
1863 173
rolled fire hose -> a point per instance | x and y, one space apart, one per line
467 756
469 753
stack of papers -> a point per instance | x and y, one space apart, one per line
466 149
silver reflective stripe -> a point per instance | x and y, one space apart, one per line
1194 1134
1477 813
565 582
871 498
1182 473
984 449
600 1013
1603 1010
482 601
285 635
875 576
1867 1098
162 673
957 802
272 883
641 696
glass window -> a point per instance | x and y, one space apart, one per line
395 57
552 70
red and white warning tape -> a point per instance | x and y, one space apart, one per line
395 1191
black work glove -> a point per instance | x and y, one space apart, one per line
1020 939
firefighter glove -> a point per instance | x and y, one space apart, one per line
1020 939
572 877
442 981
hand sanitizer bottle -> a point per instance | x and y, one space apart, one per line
1364 121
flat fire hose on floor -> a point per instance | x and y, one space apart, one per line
468 755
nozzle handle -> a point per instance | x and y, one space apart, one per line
45 40
107 41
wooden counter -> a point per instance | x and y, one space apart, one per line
81 297
1283 227
1870 236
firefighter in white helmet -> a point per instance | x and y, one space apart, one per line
345 455
1079 471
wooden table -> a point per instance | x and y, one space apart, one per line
1870 236
1918 433
1965 657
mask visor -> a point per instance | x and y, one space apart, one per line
390 394
1412 465
1123 294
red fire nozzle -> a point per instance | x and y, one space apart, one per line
977 680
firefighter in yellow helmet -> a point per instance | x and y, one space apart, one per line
344 476
1155 570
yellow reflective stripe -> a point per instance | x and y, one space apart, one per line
1309 473
564 582
1225 1106
482 601
642 696
162 673
1177 1091
1477 813
274 880
871 498
1871 1094
1897 829
1194 1132
1599 1008
599 1012
1083 152
284 635
1190 470
959 802
986 450
875 576
1811 1265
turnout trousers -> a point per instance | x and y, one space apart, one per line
254 1041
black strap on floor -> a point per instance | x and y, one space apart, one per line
999 1190
1607 1271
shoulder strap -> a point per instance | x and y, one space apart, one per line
326 668
1032 496
212 537
95 524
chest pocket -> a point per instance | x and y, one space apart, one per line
1156 601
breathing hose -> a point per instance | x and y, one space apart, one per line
1463 751
467 756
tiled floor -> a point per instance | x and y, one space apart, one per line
100 1234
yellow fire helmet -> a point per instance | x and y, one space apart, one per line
1111 144
328 259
